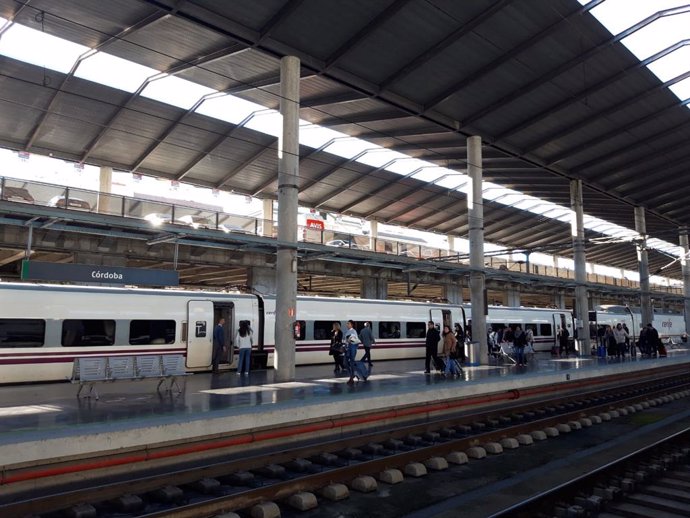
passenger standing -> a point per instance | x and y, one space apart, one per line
449 351
620 335
432 339
642 342
563 336
367 339
351 341
652 340
218 344
519 343
610 341
336 349
627 341
460 338
244 340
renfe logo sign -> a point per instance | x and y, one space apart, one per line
84 273
315 224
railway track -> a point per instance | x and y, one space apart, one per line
652 481
330 469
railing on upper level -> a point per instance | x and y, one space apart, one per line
157 213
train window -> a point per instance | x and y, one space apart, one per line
300 329
545 330
389 329
415 330
88 332
322 329
145 332
533 327
22 332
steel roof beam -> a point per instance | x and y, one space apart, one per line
442 45
146 22
363 118
335 192
325 100
616 131
382 18
237 170
210 149
553 74
635 146
584 95
504 58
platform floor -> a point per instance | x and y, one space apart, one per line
48 412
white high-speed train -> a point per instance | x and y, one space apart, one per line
668 325
44 327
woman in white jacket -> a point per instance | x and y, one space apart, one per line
243 340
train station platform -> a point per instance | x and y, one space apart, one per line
47 421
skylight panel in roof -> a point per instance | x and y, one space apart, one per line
405 167
658 35
229 108
176 92
315 136
430 174
682 89
381 157
453 181
115 72
39 48
348 147
673 64
269 122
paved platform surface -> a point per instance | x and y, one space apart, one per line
47 418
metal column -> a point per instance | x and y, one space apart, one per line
288 190
686 275
645 296
475 208
578 235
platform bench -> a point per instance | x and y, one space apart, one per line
90 370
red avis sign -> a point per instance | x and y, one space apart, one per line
315 224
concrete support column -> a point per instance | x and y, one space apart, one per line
559 300
453 292
645 296
577 229
288 190
262 280
451 245
685 266
267 218
374 288
105 187
373 235
511 297
475 211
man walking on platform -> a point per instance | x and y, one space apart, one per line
367 339
432 338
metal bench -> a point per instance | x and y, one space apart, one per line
87 371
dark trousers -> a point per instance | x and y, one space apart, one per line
367 354
430 353
217 355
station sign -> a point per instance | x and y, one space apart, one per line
315 224
86 273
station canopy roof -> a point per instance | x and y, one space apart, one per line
400 85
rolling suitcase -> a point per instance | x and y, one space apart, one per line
362 370
439 364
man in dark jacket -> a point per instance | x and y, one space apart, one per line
367 339
652 340
218 344
432 339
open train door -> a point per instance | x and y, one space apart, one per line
199 333
441 317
